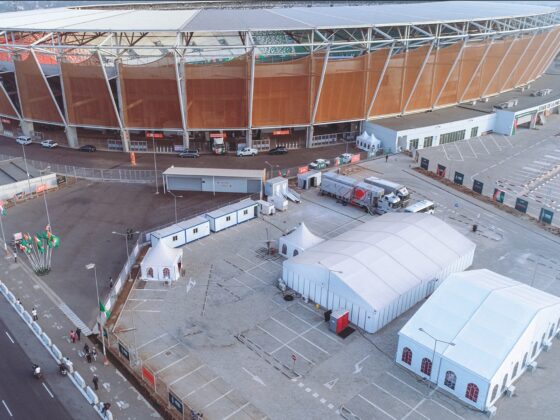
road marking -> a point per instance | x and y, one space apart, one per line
7 409
151 341
280 341
459 150
330 384
403 382
397 398
184 376
11 339
483 145
48 390
474 153
254 377
373 405
201 387
358 366
236 411
413 410
171 364
218 399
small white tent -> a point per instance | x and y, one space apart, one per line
368 142
297 241
161 263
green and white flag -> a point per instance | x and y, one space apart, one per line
105 311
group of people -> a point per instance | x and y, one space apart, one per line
90 353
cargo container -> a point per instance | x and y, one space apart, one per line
391 187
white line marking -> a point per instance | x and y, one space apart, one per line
403 382
11 339
358 366
459 150
201 386
300 335
184 376
236 411
483 145
397 398
291 348
163 351
413 410
373 405
48 390
218 399
7 409
151 341
171 364
474 153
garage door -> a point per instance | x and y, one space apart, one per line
254 185
524 119
184 183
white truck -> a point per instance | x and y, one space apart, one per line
391 187
247 151
351 191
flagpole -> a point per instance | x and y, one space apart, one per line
3 236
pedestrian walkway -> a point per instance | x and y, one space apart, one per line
55 320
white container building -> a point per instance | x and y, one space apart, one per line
233 214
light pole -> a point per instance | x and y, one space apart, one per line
91 266
329 281
434 353
155 162
175 197
26 169
2 228
271 167
125 238
45 197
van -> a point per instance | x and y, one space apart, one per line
423 206
23 140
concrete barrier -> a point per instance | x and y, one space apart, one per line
46 339
20 308
92 396
79 379
109 415
11 296
26 317
56 352
3 289
37 328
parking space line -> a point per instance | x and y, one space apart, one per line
459 150
291 348
445 408
151 341
379 408
413 410
318 330
172 364
403 382
187 374
218 399
201 387
249 261
163 351
474 153
300 335
397 398
233 413
483 145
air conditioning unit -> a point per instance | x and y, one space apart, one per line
510 391
485 100
491 411
542 92
473 103
532 366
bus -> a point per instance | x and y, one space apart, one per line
424 206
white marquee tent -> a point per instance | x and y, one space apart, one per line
161 263
297 241
368 142
498 327
381 268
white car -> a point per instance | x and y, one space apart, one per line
247 151
25 140
319 164
49 144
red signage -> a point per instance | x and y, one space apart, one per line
303 169
355 158
132 158
154 135
41 188
281 132
217 135
147 375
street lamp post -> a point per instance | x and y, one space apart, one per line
26 169
271 167
175 197
45 197
125 239
155 163
434 353
329 281
91 266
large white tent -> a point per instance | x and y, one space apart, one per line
368 142
497 327
381 268
161 263
297 241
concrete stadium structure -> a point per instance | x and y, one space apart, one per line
132 77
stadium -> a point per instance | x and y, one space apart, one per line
133 77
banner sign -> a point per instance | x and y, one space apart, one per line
459 177
477 186
424 163
217 136
281 132
124 351
303 169
498 195
521 205
440 170
355 158
176 402
154 135
546 216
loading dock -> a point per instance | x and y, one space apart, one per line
214 180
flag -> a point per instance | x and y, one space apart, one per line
105 311
3 210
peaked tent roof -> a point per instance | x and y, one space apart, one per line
301 237
482 313
161 255
386 257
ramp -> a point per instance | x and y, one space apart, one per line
293 196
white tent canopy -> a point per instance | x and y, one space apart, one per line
161 263
297 241
380 268
368 142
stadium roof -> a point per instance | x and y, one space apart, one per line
120 19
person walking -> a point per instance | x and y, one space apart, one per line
34 314
79 334
88 356
110 282
72 336
386 158
95 381
94 354
15 257
86 348
106 407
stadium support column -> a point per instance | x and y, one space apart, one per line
125 135
310 129
249 134
182 89
71 132
26 127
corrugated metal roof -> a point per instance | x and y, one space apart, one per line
289 18
243 204
232 173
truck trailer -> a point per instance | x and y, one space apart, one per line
391 187
358 193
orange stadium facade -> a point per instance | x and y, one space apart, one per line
121 76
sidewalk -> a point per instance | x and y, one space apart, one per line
125 401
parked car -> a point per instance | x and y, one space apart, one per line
280 150
25 140
319 164
88 148
247 151
345 158
189 154
49 144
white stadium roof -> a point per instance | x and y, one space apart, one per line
482 313
119 19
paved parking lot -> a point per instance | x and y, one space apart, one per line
526 165
227 323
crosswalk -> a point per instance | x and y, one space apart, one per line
75 319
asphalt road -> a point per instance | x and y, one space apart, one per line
22 396
111 160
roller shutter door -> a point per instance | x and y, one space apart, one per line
524 119
184 183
